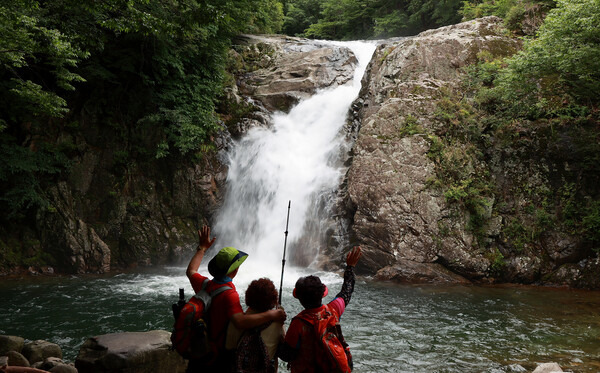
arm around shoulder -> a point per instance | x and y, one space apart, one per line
246 321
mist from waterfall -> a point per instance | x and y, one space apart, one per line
296 159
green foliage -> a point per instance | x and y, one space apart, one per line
497 262
514 12
481 8
356 19
22 173
410 126
562 64
518 234
580 215
36 64
591 222
514 17
342 20
147 74
394 23
300 15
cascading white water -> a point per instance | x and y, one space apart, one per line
297 160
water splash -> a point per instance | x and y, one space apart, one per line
297 159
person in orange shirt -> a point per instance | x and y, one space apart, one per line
225 307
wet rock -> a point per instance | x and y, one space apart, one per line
406 271
40 350
11 343
583 274
130 352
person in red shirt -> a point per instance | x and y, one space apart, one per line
299 347
225 307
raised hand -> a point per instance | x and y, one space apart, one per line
204 240
353 256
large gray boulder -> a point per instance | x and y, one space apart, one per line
131 352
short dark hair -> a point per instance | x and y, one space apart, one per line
261 295
309 291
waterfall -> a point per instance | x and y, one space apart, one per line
296 159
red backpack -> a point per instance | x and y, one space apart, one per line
190 332
332 353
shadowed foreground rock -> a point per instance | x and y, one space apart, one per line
39 354
131 352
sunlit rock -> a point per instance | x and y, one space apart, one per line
39 350
130 352
296 70
548 368
398 217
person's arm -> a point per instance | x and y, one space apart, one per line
244 321
204 243
349 277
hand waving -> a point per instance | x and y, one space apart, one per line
353 256
204 240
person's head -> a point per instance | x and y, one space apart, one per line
261 295
310 291
226 262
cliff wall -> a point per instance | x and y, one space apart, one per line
434 194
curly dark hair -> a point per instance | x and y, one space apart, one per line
261 295
309 291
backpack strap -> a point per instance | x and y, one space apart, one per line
218 291
206 297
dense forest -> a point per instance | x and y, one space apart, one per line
154 73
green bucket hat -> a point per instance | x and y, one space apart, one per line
227 260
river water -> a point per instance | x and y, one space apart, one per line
390 328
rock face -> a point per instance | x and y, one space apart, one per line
130 352
394 204
397 218
294 69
